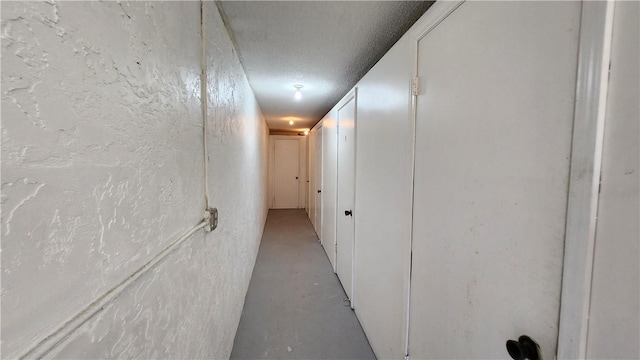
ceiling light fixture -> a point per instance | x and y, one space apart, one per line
306 132
290 122
298 94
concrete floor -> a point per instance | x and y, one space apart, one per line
295 307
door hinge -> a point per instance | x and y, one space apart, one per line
415 86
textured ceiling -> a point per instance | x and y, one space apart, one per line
326 46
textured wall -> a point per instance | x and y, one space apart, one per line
102 167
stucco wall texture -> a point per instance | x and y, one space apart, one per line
102 168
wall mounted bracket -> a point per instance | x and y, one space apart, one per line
211 218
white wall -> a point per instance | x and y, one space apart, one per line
614 327
302 168
102 167
383 200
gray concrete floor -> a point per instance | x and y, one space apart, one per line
295 307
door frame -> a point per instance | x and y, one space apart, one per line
592 84
351 95
302 163
596 28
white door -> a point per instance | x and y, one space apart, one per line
493 136
311 179
346 195
317 191
285 179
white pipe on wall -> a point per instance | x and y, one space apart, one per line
203 102
63 325
49 343
63 332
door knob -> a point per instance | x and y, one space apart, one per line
319 191
524 349
348 213
296 178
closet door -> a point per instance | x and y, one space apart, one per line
286 174
346 195
493 140
311 169
317 190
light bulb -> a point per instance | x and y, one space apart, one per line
306 132
290 122
298 93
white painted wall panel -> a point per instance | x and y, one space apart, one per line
384 168
614 326
329 184
102 167
493 140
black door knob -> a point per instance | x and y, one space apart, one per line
348 213
524 349
319 191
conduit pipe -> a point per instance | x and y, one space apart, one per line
203 102
63 332
60 335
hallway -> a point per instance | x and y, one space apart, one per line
295 306
465 172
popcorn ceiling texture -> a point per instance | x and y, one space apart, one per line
102 167
327 46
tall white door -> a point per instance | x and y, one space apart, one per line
311 179
493 138
317 191
346 195
286 174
